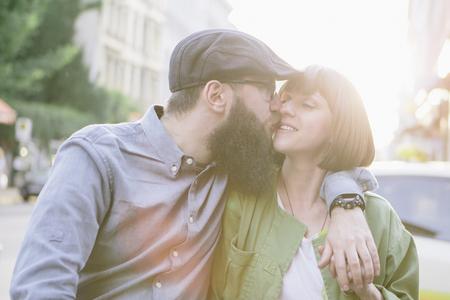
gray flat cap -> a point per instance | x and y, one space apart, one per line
223 54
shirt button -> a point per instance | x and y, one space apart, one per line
191 219
175 253
158 284
173 168
189 161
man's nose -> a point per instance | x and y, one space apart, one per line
275 103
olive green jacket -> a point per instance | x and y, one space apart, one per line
259 241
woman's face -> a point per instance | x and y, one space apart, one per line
305 126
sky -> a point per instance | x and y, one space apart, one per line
364 40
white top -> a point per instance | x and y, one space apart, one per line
303 279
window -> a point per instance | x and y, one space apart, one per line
135 82
151 37
138 31
122 22
146 86
422 202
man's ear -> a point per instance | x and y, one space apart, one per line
214 96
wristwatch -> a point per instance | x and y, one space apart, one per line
348 201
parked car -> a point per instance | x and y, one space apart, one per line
34 181
31 170
420 193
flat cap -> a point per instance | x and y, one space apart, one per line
223 54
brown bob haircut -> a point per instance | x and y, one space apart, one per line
351 139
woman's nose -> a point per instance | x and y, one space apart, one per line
285 108
275 103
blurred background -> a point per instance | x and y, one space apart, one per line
65 64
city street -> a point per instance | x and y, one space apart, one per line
13 223
114 112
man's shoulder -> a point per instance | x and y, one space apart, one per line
108 137
104 141
96 133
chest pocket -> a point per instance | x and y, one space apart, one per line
239 269
250 276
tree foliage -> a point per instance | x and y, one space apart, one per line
41 70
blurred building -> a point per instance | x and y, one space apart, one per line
127 44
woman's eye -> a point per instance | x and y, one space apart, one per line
308 105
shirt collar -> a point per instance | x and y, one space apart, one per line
165 147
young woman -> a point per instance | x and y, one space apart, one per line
270 242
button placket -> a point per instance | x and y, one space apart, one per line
192 193
175 168
191 219
174 258
158 284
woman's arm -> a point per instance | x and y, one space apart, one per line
370 292
402 266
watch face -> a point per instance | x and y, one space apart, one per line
349 196
349 201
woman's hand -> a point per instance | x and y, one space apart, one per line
367 292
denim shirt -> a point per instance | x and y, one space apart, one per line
125 214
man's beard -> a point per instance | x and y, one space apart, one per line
243 149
